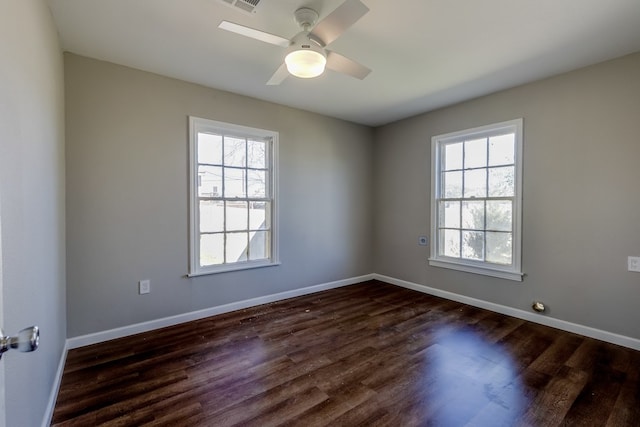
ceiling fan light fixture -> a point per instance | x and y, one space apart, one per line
305 59
305 64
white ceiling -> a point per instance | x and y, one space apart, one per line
424 54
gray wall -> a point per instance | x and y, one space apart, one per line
581 200
31 203
127 201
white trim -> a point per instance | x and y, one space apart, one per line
124 331
99 337
479 269
587 331
236 267
151 325
51 406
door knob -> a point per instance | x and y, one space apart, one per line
25 341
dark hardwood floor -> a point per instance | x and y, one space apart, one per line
370 354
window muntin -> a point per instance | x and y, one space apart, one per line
232 197
476 200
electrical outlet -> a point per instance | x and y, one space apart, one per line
634 263
144 286
423 240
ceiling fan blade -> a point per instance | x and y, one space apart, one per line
344 65
254 34
331 27
280 74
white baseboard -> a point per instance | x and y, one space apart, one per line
124 331
48 415
98 337
610 337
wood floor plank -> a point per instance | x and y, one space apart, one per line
557 354
509 404
554 402
594 404
341 400
370 354
626 410
275 400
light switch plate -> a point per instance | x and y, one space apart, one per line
144 286
634 263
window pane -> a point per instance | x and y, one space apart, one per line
450 243
257 183
453 156
259 215
257 154
234 183
475 183
450 214
501 182
499 248
209 181
232 198
237 246
499 215
473 245
209 148
237 216
473 215
211 249
475 224
501 150
452 184
211 216
234 151
475 153
259 245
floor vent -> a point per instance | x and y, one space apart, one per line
246 6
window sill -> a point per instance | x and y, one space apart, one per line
233 267
485 271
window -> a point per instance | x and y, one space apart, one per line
233 205
476 200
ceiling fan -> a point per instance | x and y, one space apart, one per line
307 55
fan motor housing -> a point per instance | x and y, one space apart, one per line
305 17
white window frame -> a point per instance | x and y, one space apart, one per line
197 125
513 271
